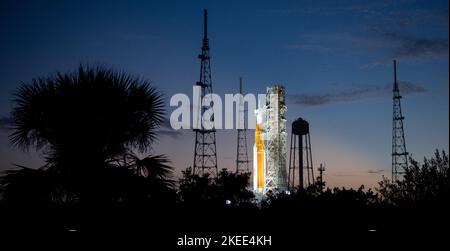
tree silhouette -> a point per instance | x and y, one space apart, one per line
421 198
193 188
88 124
225 189
421 184
28 186
232 188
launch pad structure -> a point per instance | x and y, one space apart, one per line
269 151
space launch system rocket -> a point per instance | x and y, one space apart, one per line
259 153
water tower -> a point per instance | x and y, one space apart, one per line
300 155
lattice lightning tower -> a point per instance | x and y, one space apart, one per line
399 154
205 156
242 155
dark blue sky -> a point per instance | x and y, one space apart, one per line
334 57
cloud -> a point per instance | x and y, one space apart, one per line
376 171
280 11
325 8
391 29
166 129
6 123
385 31
171 133
407 87
412 18
354 94
342 174
411 46
376 40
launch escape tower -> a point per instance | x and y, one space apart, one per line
242 156
399 154
300 155
205 156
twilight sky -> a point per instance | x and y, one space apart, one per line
333 57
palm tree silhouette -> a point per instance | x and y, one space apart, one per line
88 124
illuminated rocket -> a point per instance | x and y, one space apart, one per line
269 150
259 153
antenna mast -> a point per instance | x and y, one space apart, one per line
242 156
205 155
399 154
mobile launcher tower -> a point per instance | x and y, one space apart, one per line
269 151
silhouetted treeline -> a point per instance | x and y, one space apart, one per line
418 202
92 125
